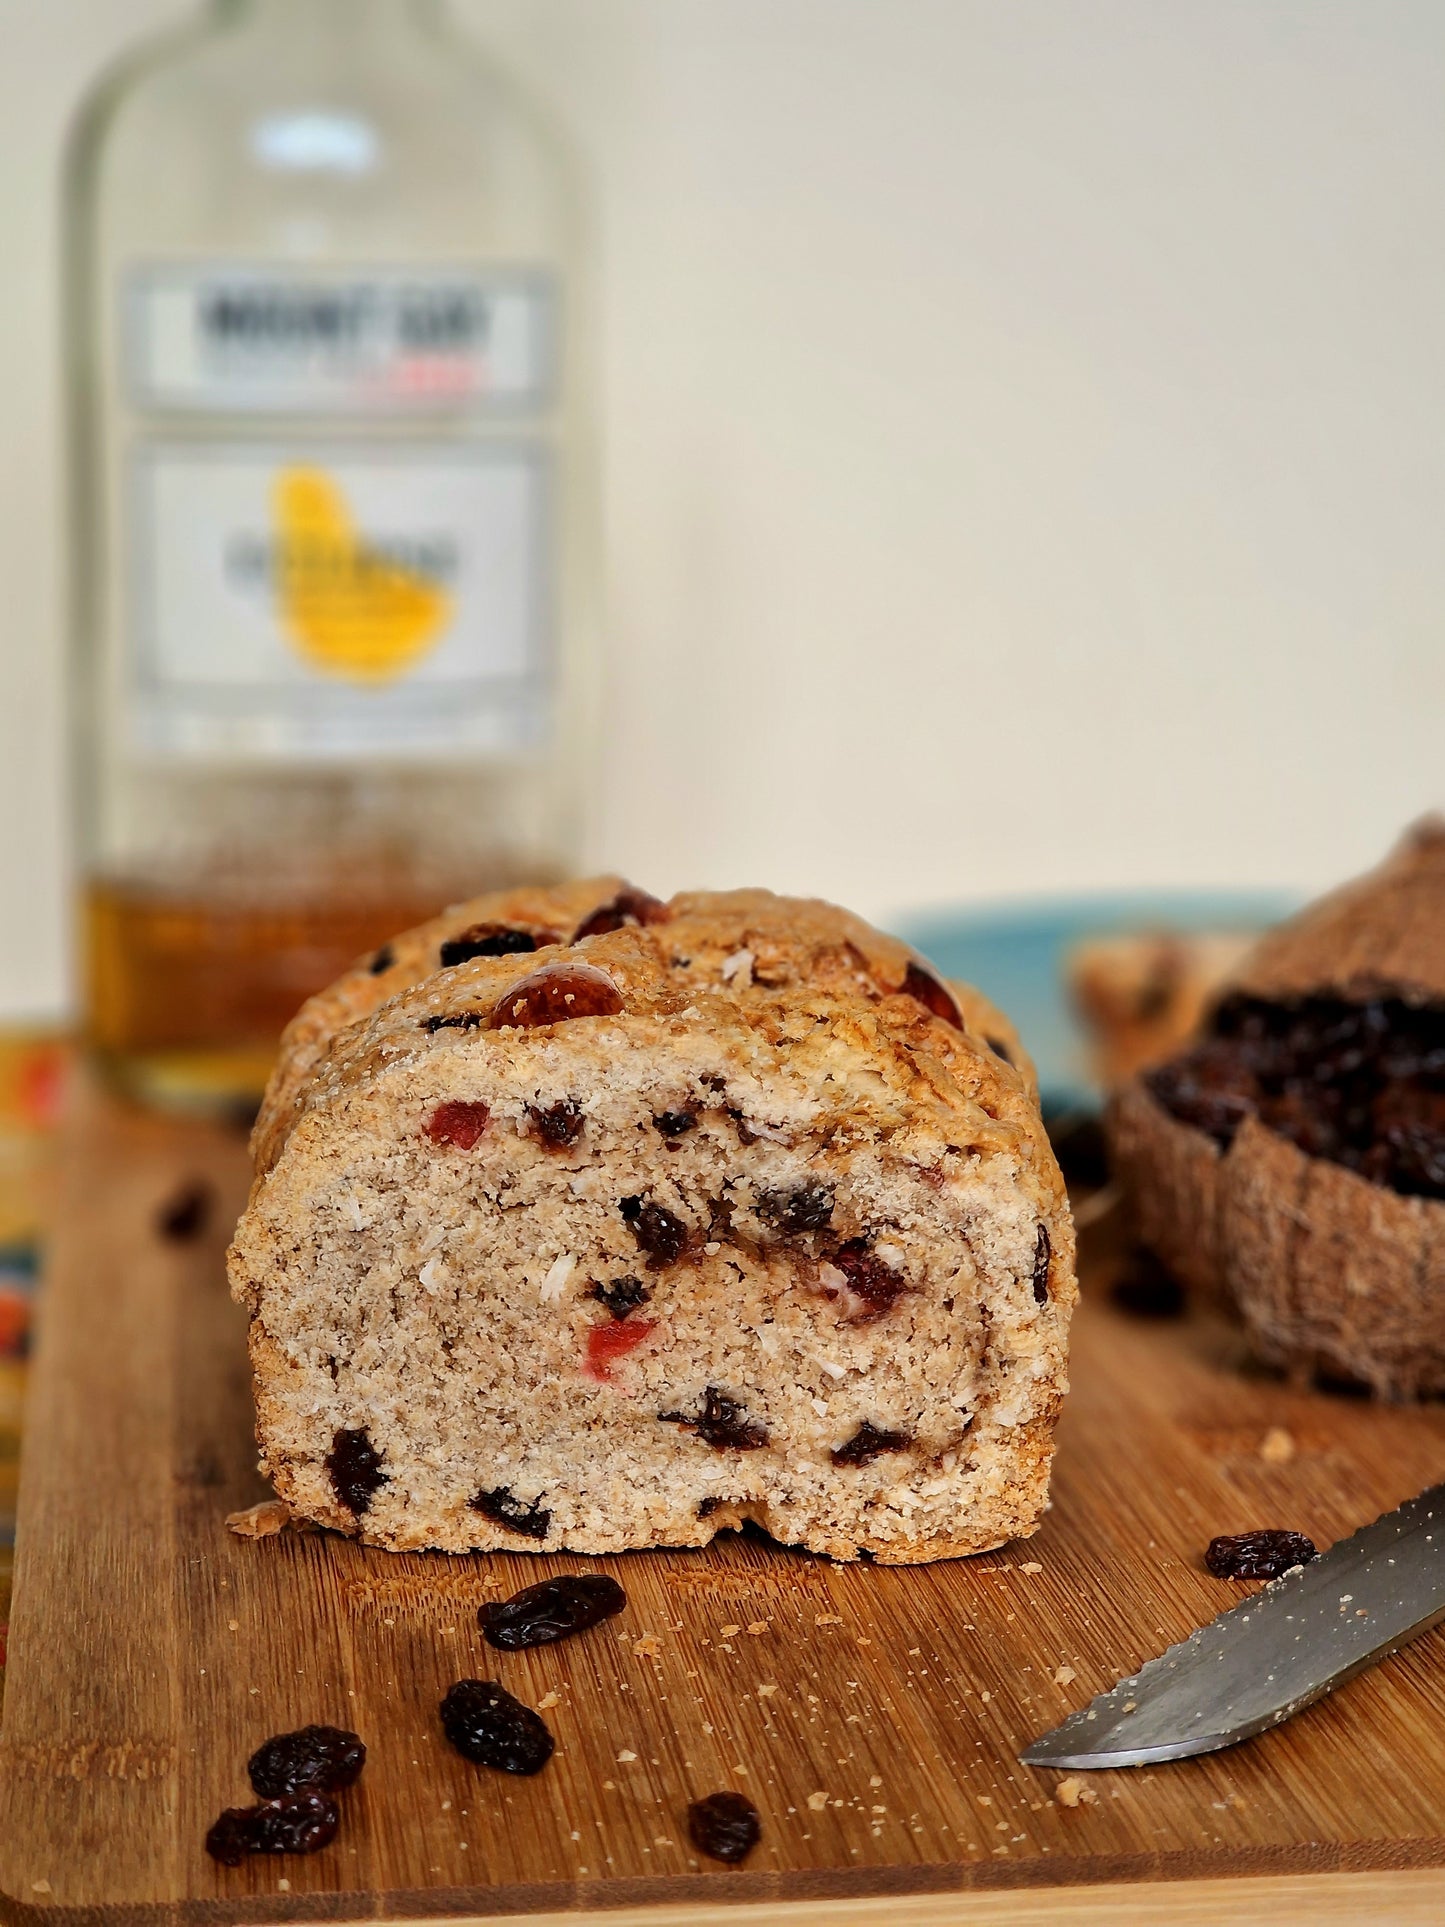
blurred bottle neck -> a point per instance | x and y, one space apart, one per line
318 19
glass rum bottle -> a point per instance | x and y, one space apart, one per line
331 497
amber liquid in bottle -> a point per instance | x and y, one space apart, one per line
332 668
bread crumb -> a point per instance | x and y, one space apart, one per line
649 1646
817 1802
827 1619
284 1885
1277 1447
728 1632
1064 1675
985 1697
875 1779
40 1886
1073 1792
1032 1566
548 1700
757 1627
260 1521
233 1625
767 1689
625 1755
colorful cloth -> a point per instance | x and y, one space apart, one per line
32 1077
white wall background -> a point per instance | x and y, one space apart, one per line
1026 452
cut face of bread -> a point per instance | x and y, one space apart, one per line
617 1243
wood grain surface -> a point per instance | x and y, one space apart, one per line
874 1715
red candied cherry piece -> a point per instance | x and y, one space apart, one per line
607 1343
458 1122
630 905
555 992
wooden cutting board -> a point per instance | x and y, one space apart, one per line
874 1715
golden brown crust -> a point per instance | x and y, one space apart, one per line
748 940
1383 933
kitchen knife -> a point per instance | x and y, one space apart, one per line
1272 1654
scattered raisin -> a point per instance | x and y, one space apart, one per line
486 1725
620 1295
487 940
459 1122
185 1213
628 906
662 1236
724 1424
724 1826
1043 1252
316 1759
354 1467
296 1823
558 1124
1145 1289
868 1442
382 961
553 1609
675 1123
924 988
554 993
1257 1555
498 1505
869 1279
807 1207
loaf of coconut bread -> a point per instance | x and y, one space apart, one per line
584 1221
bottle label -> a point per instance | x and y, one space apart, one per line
376 341
336 599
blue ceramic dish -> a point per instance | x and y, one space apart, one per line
1015 954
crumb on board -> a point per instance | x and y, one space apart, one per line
648 1647
1031 1565
728 1632
1277 1446
828 1619
625 1755
1064 1675
1074 1792
260 1521
757 1627
817 1802
767 1689
547 1701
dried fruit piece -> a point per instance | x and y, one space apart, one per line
354 1467
724 1826
553 1609
382 961
620 1295
486 1725
517 1515
1043 1252
1257 1555
675 1123
555 993
723 1423
296 1823
607 1343
806 1207
558 1125
184 1214
628 906
876 1286
924 988
868 1442
488 940
662 1236
460 1122
319 1759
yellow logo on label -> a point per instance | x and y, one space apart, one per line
350 607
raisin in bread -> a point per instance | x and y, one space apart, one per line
1292 1161
707 1211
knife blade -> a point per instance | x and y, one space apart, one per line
1273 1654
